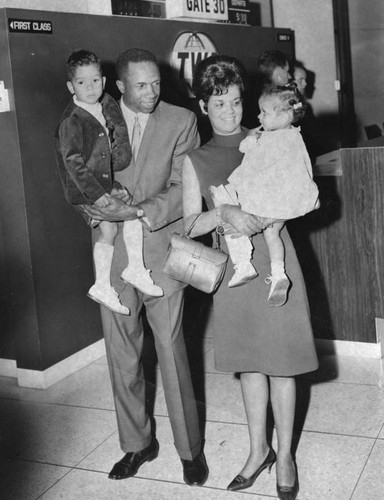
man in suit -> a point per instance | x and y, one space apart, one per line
166 134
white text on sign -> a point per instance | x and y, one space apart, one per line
202 9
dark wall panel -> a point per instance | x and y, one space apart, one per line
47 245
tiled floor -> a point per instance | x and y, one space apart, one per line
60 443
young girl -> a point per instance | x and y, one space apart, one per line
274 182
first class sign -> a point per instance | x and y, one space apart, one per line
29 26
215 10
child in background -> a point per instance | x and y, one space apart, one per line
273 182
92 143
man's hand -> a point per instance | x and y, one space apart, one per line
123 195
116 211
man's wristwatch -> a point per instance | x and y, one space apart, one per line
140 213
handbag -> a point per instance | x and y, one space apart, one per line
193 263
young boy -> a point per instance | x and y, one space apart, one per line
92 143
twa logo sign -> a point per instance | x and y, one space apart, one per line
189 49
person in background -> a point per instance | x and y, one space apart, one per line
161 135
268 346
300 76
313 137
273 68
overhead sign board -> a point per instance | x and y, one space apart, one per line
215 10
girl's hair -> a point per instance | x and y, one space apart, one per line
213 76
81 58
287 98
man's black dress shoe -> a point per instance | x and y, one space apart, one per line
131 462
196 470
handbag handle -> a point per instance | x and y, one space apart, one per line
189 229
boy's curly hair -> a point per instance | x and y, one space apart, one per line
81 58
287 98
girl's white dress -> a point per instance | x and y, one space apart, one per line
275 177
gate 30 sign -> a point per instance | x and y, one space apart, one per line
215 10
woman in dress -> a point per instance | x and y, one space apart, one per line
268 346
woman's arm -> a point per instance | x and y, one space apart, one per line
241 222
192 203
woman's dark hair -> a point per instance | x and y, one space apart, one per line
213 76
287 98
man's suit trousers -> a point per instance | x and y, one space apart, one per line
124 345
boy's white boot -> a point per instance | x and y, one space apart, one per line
135 273
279 284
102 291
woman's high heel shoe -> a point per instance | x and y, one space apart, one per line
241 482
289 492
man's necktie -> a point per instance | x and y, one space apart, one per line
136 137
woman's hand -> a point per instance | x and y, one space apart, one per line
116 211
268 221
242 222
